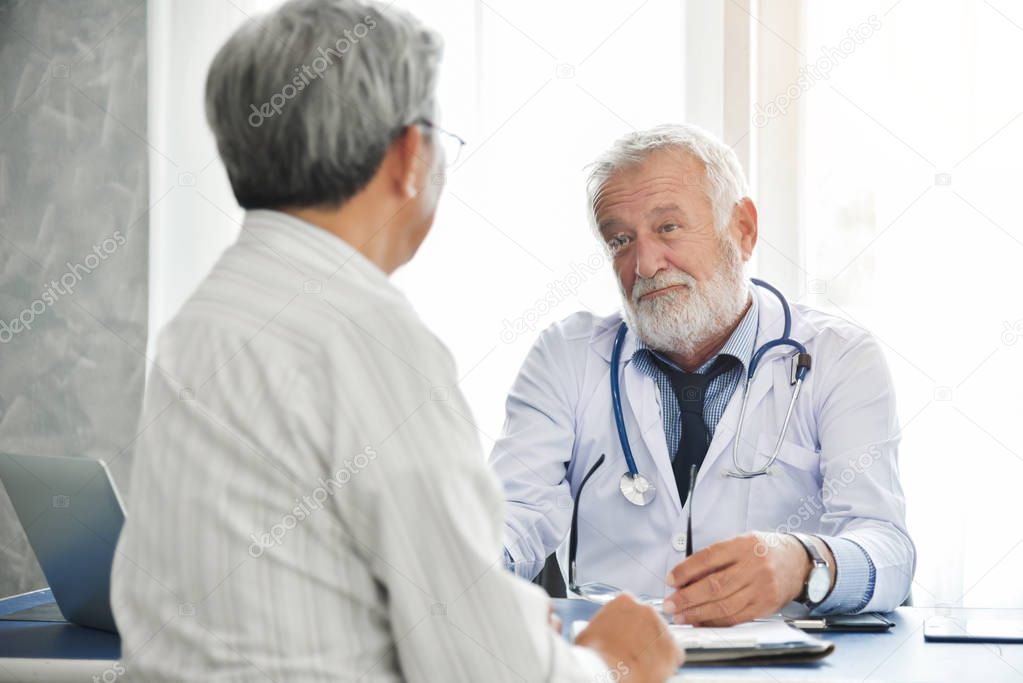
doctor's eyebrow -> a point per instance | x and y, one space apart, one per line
663 208
615 224
610 224
667 208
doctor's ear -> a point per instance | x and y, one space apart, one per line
406 162
744 226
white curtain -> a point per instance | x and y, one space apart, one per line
194 216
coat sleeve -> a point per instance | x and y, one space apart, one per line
532 454
861 491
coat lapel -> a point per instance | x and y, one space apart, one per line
770 325
640 399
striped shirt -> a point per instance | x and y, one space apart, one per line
719 390
309 497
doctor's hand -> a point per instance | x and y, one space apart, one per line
743 578
633 641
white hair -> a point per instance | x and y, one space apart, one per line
725 181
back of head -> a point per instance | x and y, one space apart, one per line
304 101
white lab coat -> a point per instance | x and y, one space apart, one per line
836 474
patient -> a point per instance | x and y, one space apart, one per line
309 499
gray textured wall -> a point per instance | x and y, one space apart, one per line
73 240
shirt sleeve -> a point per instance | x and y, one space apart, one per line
854 578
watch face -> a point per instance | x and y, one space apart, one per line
818 584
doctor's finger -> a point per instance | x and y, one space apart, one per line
714 586
749 613
703 562
722 611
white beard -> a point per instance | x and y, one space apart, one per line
682 320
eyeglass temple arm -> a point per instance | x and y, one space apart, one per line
573 534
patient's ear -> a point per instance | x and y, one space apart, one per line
405 163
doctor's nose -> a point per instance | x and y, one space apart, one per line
650 258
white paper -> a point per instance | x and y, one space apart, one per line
749 635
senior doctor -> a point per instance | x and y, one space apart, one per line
812 511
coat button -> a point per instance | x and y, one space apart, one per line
678 542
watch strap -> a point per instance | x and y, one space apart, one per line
815 558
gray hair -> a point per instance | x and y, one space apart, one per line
305 101
725 180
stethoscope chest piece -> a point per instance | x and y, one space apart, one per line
637 489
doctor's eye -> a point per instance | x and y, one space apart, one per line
617 242
670 227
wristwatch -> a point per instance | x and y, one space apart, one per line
818 581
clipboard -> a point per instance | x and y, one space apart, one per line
761 643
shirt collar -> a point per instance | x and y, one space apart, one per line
307 249
739 345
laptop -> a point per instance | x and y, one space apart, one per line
72 516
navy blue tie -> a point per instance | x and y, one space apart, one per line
691 392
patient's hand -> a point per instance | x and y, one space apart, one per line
553 620
633 640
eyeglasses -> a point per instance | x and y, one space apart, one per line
603 593
451 144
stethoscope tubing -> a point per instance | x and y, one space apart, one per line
616 401
802 369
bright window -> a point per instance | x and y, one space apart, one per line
912 171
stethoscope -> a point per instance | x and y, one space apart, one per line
635 486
